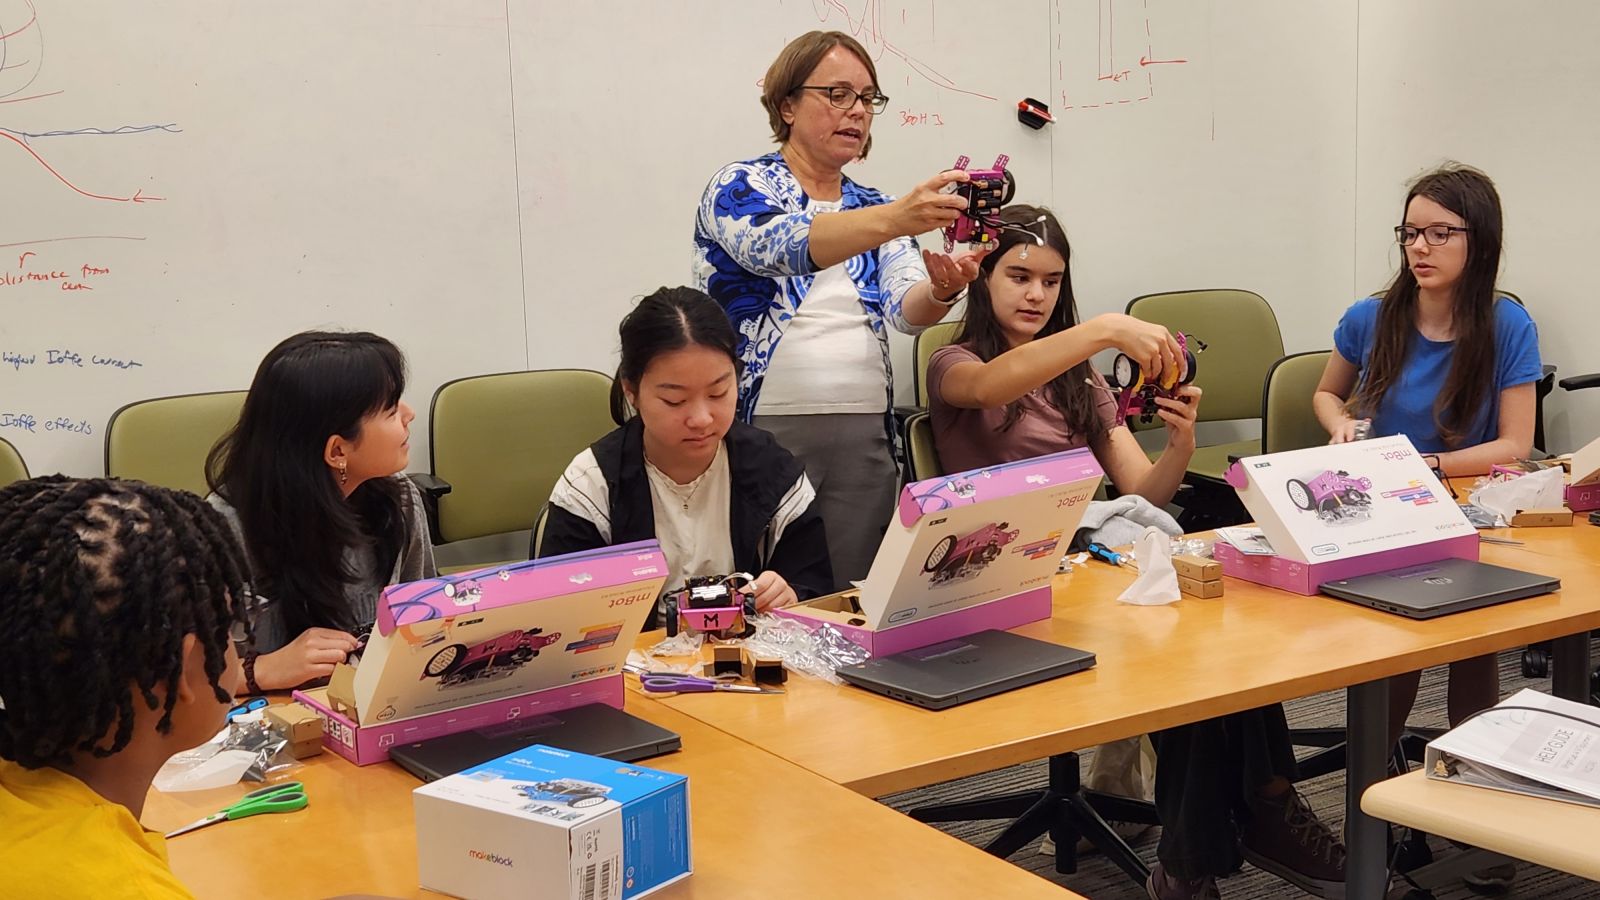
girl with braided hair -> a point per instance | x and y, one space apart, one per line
120 625
309 479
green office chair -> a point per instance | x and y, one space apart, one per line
1242 339
12 468
1287 419
539 522
924 456
922 347
165 441
498 443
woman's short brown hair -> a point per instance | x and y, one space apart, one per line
793 66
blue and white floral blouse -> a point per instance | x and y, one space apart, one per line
752 255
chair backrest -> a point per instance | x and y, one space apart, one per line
502 441
165 441
1242 339
1287 419
536 543
924 455
12 468
922 348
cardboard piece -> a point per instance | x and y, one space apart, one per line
1542 518
967 552
549 823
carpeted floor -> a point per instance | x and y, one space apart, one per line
1100 880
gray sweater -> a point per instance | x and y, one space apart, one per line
361 595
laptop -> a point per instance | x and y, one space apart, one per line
970 668
1440 588
595 729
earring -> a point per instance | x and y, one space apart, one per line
343 475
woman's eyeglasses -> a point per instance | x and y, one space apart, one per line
1435 235
845 98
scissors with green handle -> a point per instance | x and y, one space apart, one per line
277 798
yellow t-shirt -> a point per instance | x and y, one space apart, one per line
58 838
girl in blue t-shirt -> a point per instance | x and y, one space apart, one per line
1443 359
1440 357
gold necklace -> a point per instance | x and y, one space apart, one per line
676 488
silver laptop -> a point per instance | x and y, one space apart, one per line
1440 588
969 668
594 728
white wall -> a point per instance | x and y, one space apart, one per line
1506 87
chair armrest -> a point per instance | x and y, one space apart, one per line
432 488
903 413
1579 382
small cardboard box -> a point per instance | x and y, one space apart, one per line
1343 510
967 552
300 725
476 648
549 823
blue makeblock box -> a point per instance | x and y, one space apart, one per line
545 822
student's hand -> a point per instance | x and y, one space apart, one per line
1180 415
1152 346
310 656
772 592
1346 432
927 206
948 275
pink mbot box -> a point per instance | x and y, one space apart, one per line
479 648
1303 578
967 552
367 744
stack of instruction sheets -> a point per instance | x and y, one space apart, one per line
1531 743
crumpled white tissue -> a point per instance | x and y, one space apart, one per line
1544 489
1157 584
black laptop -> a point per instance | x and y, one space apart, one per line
965 669
595 729
1435 589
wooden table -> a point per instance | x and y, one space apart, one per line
1169 665
1157 667
1562 836
761 828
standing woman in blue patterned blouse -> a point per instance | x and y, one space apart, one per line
812 268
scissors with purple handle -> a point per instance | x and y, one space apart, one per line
672 682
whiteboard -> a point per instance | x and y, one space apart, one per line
491 184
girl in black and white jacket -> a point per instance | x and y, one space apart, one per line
720 496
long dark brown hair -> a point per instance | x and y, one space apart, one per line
270 468
1069 392
1469 194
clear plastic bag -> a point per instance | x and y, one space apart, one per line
245 749
269 748
816 653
